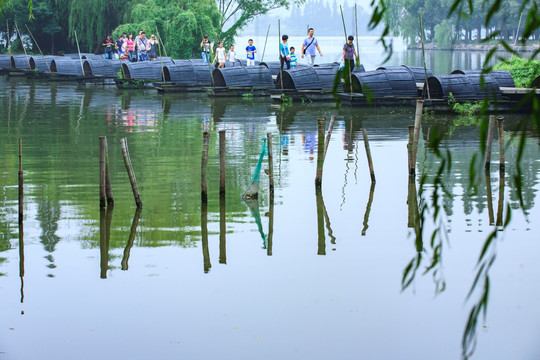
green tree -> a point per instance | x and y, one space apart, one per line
235 14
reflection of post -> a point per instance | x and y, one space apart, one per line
204 236
500 125
108 187
270 164
368 209
410 150
328 225
131 173
489 197
491 127
222 231
204 162
131 238
500 205
270 226
321 250
222 163
368 154
103 246
102 157
414 216
320 151
417 123
21 228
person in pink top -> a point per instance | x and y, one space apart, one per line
130 46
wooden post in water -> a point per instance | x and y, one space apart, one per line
329 134
222 163
131 173
321 243
102 157
417 123
320 151
368 209
500 125
270 164
270 238
491 127
368 154
204 163
410 150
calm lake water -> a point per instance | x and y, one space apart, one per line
308 277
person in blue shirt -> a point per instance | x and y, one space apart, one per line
309 46
284 55
250 52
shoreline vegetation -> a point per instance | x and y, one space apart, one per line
476 47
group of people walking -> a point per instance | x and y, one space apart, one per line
126 47
287 55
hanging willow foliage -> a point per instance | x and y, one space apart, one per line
181 24
94 20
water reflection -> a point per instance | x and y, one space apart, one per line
131 238
105 220
253 205
204 237
222 231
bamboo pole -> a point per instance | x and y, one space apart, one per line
348 69
410 150
131 173
160 59
204 163
270 163
368 154
161 42
22 43
41 52
417 123
222 163
356 35
265 40
320 151
78 50
500 125
424 54
102 171
489 143
8 43
222 231
329 134
279 52
108 186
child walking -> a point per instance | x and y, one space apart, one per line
221 55
250 51
232 56
294 59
